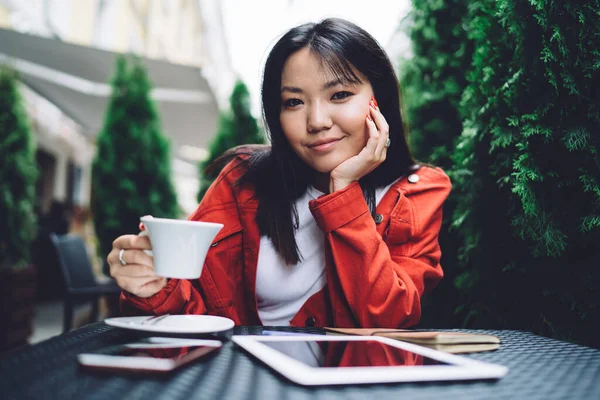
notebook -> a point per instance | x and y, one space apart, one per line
450 342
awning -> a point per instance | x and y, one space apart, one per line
76 79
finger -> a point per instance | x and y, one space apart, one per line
134 256
379 119
383 128
152 287
381 150
132 242
371 145
135 285
142 226
130 256
372 127
113 257
133 271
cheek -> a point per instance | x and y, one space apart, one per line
353 122
289 127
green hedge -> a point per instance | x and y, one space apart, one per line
132 170
526 170
433 81
236 126
18 173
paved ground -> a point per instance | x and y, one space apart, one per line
49 319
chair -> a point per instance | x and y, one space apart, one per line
78 276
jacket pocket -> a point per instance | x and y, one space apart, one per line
222 269
226 247
399 231
226 233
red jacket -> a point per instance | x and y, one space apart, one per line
376 271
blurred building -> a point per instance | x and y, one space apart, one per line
398 48
65 52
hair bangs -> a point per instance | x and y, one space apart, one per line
335 63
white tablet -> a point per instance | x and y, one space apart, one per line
337 360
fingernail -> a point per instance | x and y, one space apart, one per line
142 227
369 117
374 100
372 104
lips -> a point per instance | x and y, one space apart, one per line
323 144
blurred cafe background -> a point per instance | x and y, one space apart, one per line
201 64
111 109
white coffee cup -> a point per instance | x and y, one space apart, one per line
179 247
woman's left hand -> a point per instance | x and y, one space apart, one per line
369 158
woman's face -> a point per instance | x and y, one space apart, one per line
323 120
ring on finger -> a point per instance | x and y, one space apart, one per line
388 143
123 262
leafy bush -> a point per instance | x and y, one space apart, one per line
526 169
18 173
434 78
132 170
529 208
236 126
432 83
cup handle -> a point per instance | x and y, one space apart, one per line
149 252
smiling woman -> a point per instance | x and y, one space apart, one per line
323 118
333 224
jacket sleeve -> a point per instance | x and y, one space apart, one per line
181 296
383 281
178 297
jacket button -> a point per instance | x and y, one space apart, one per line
413 178
310 322
378 218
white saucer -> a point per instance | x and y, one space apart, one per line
174 324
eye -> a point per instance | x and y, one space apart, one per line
341 95
291 103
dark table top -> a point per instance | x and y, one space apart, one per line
539 368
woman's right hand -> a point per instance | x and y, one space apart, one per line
137 276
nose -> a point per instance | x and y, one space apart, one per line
318 118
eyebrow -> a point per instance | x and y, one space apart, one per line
328 85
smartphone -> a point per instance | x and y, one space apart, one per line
154 354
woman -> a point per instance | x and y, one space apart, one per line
331 225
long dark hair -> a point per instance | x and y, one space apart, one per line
278 175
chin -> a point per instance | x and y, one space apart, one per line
322 170
325 167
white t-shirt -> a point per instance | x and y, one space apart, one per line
282 289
